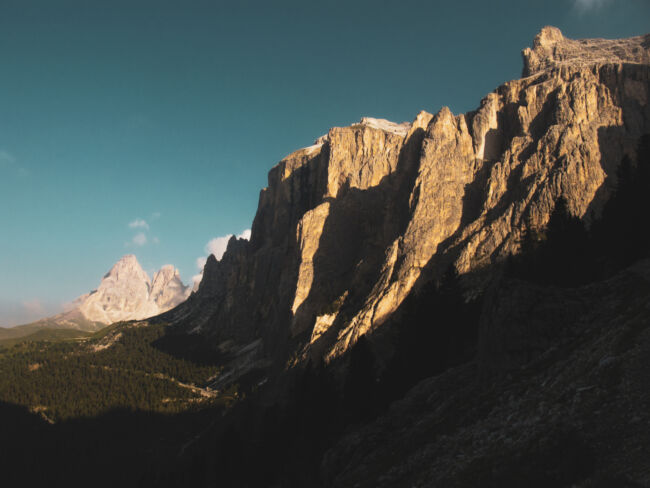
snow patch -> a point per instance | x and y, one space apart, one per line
386 125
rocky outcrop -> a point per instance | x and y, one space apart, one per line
551 50
349 226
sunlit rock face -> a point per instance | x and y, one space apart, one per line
349 226
127 293
167 289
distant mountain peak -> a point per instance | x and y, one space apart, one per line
126 268
128 293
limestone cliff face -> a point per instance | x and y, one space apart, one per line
347 227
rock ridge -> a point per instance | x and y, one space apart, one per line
348 227
551 50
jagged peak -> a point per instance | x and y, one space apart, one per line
549 35
552 50
422 118
128 258
167 270
126 261
443 120
127 265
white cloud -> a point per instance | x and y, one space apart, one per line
245 235
586 5
217 246
196 280
140 239
200 264
139 224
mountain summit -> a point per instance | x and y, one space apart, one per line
127 293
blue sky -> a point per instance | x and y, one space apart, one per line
167 115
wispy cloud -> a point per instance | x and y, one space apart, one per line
139 224
140 239
138 121
588 5
6 158
17 312
143 236
216 246
155 215
10 162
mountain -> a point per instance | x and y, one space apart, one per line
350 226
125 293
459 301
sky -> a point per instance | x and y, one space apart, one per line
148 127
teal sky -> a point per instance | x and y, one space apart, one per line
172 112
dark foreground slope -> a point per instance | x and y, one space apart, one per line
558 396
554 392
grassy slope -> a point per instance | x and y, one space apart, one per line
67 322
49 335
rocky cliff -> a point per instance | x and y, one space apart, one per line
349 226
